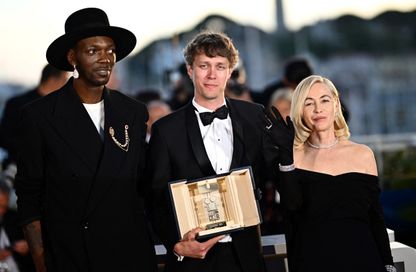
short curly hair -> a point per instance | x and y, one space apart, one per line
211 44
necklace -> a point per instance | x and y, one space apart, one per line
323 146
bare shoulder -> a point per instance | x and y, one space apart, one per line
361 155
358 150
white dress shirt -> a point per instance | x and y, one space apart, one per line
218 142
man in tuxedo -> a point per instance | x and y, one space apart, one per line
210 135
80 159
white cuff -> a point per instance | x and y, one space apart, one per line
390 268
286 168
179 257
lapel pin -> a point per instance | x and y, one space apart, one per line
124 146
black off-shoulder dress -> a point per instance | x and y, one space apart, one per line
335 223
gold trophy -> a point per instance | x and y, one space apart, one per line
209 206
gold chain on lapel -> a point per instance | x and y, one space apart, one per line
124 146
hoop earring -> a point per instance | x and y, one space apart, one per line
75 74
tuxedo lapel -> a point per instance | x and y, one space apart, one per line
238 136
116 118
75 126
195 139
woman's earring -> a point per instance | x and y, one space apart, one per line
75 74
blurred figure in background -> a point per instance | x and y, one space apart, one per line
281 100
183 89
14 250
156 106
147 95
51 79
239 74
236 90
157 109
295 70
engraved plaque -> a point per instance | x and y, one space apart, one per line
218 204
209 205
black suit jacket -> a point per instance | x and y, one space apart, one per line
82 188
177 152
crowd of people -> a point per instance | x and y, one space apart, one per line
93 164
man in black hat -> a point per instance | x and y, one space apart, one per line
80 159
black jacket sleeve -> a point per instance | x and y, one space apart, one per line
30 184
158 173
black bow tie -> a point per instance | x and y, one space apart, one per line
208 117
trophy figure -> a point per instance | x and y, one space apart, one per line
209 206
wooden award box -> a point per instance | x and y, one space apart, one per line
218 204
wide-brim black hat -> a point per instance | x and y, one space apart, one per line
85 23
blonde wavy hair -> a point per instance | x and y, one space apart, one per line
300 94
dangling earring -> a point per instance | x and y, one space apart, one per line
75 74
